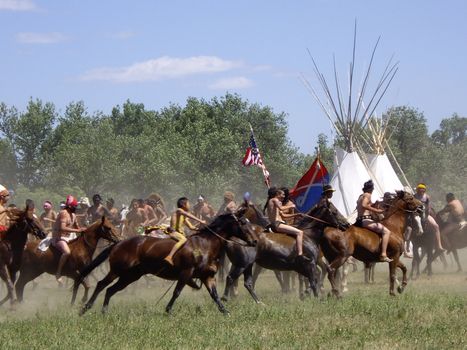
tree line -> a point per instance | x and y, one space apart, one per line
192 149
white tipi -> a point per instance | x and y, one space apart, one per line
349 119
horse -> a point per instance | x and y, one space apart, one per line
198 258
365 245
277 251
35 262
426 240
455 240
12 247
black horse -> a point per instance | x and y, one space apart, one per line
12 247
277 251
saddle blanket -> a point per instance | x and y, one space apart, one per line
46 242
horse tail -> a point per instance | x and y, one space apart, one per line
95 263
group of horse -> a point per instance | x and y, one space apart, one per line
241 236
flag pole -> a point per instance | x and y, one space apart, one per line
262 166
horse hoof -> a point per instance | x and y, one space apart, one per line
225 299
259 302
392 294
400 289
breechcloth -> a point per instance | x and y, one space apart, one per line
275 225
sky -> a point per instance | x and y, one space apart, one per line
161 52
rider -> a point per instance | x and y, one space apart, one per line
64 225
365 220
97 210
114 213
229 206
4 210
82 211
203 210
276 213
425 199
178 220
456 212
48 217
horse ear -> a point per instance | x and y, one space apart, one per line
400 194
103 219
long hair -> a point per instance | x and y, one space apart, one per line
272 192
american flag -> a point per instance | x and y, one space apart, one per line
253 157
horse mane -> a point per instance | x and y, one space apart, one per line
16 215
262 219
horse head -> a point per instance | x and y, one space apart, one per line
23 222
229 225
407 203
253 214
104 229
329 215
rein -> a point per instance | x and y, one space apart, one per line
319 220
225 239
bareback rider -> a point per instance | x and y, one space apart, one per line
48 217
365 220
65 224
4 210
423 197
203 210
97 210
276 213
178 222
229 206
456 218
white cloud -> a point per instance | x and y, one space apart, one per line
40 38
17 5
162 68
231 83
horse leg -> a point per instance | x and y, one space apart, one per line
456 258
335 264
24 278
129 277
248 283
324 270
5 276
109 278
280 278
403 268
392 276
210 283
256 271
234 274
313 278
185 276
86 290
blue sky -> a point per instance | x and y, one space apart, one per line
157 52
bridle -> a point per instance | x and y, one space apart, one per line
229 240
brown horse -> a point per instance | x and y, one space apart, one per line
35 262
198 258
365 245
12 247
456 239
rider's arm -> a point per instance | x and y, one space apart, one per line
282 208
366 204
65 228
190 216
152 217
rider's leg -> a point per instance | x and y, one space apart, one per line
63 247
407 236
298 234
379 228
434 225
181 239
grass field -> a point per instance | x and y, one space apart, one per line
431 314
